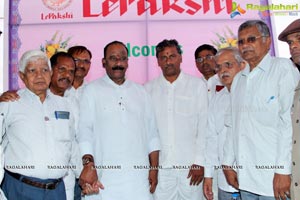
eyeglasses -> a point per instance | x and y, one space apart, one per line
115 59
165 58
201 59
227 65
85 61
250 39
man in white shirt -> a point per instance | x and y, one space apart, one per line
291 35
205 63
180 102
39 135
117 134
228 64
261 136
82 57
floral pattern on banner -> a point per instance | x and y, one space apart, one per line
55 45
228 39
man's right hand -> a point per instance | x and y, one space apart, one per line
207 188
88 179
9 96
231 176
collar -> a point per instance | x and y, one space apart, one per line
264 65
112 83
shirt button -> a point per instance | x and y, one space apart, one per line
294 163
297 121
296 184
294 141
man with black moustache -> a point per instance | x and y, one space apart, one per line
117 128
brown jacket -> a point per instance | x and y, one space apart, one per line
295 185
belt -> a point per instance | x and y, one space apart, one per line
47 186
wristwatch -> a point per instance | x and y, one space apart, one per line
87 160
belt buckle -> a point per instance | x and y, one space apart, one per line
50 186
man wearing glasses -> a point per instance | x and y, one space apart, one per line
261 135
228 64
180 103
82 57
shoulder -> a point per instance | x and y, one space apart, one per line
193 80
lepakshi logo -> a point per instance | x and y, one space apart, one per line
236 10
57 5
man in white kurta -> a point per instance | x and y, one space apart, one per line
117 128
228 64
180 102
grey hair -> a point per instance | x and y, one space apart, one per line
232 50
260 25
31 56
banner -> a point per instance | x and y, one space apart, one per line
53 25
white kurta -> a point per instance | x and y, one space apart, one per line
181 113
261 137
216 136
117 126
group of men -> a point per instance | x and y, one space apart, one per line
122 140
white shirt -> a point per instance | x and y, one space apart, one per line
261 136
181 114
211 86
76 93
216 136
117 126
39 144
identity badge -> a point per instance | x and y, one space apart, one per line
62 114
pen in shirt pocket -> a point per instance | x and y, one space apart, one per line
270 99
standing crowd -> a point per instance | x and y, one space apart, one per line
234 133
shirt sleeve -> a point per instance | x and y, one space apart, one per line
151 127
287 85
228 149
211 145
202 123
86 121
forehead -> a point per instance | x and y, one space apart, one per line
205 52
38 62
169 50
225 56
293 35
65 61
81 54
115 49
252 30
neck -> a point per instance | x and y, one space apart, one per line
171 79
119 81
78 81
57 92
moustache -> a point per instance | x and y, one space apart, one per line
247 49
118 68
64 79
225 74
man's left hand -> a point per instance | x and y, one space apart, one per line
196 173
281 186
153 179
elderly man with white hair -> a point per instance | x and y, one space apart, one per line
38 135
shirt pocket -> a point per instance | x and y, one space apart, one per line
185 106
62 131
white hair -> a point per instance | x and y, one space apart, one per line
31 56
